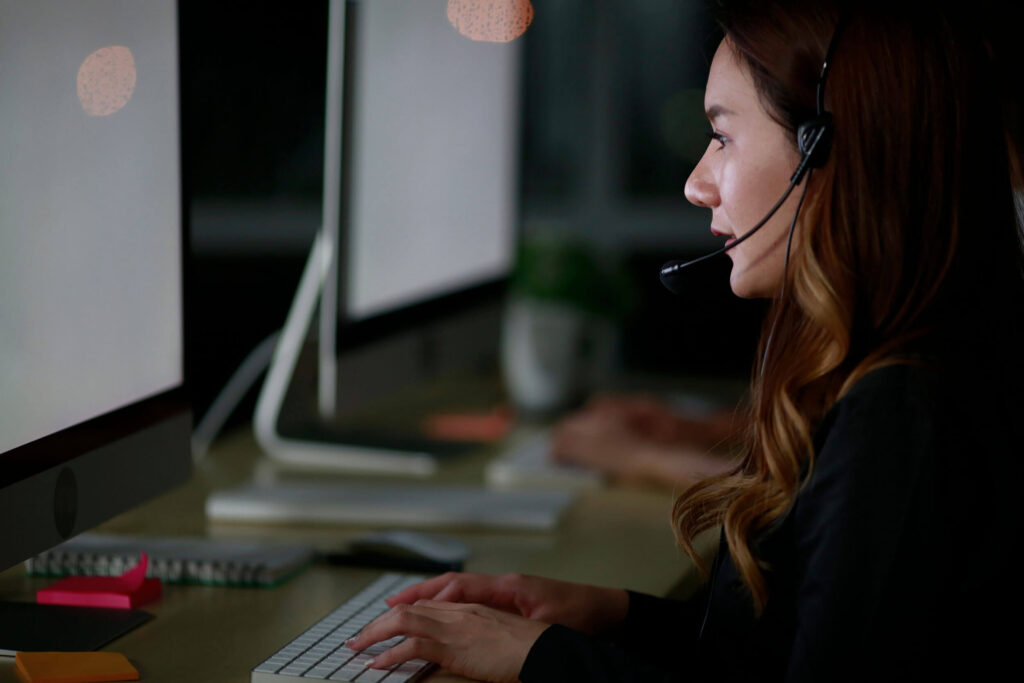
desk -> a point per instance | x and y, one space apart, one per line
612 537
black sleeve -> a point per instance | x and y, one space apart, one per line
658 625
868 534
562 654
654 643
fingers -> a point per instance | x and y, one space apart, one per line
594 442
473 640
442 606
575 434
402 620
457 587
416 625
469 588
410 648
453 592
426 589
422 619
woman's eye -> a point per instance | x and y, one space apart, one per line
718 137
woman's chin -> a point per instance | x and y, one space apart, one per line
745 286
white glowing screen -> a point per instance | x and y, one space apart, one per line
90 211
434 157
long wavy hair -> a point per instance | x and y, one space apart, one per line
907 244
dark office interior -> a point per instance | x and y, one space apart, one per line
612 124
259 500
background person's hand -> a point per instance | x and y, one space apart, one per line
600 440
590 609
472 640
656 420
638 439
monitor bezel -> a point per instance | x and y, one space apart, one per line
65 445
72 481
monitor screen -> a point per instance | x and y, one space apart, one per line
90 262
427 198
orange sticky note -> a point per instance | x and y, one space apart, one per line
484 427
74 667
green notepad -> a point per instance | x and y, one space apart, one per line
176 559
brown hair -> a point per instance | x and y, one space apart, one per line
908 236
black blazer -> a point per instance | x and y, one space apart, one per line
897 561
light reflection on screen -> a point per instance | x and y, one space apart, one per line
492 21
106 80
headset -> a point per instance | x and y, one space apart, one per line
814 142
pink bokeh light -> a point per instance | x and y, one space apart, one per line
492 21
106 80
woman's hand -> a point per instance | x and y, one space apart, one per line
590 609
471 640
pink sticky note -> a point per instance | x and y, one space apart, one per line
131 589
133 579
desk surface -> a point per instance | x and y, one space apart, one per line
612 537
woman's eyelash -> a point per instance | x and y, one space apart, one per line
717 137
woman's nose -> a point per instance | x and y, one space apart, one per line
700 190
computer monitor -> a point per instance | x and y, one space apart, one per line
420 212
92 415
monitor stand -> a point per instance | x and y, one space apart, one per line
310 452
31 627
309 441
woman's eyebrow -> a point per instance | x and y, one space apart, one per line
716 110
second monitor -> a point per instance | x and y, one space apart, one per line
420 215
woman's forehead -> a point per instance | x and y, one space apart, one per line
730 90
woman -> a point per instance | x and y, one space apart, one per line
872 529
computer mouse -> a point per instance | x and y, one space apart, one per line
404 544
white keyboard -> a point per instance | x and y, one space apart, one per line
320 653
394 504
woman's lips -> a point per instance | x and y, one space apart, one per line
719 233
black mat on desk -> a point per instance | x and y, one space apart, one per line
31 627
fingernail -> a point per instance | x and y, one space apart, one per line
369 664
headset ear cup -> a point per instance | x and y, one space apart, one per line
814 139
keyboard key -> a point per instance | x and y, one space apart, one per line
293 670
347 673
406 670
372 675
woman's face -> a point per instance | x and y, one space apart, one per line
744 171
